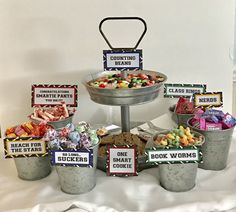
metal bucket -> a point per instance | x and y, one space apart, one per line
124 96
182 119
216 148
61 123
78 180
178 177
33 168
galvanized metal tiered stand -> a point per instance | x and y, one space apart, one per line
124 97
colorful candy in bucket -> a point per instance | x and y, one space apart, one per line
29 167
178 177
184 109
57 116
211 119
74 179
217 127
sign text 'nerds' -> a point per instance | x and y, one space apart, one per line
122 161
208 99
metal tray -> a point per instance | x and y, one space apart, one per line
124 96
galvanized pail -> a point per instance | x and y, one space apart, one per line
178 177
182 119
216 147
78 180
179 119
61 123
33 168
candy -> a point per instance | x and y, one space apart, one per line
19 131
74 137
85 141
102 131
71 145
56 113
70 126
94 139
218 113
11 135
28 129
213 126
131 81
178 137
184 106
64 132
80 128
54 144
51 134
213 120
228 121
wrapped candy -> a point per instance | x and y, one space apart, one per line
51 134
85 141
184 106
72 137
70 126
54 144
56 113
228 121
64 132
213 120
27 129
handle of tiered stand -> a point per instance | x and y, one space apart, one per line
125 114
123 18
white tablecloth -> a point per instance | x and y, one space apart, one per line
214 190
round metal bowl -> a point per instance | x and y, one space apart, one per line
123 96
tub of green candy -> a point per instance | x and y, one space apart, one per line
178 177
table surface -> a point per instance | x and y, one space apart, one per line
214 190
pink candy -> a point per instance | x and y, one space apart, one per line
56 113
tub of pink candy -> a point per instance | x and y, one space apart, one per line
182 111
58 116
217 127
74 179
